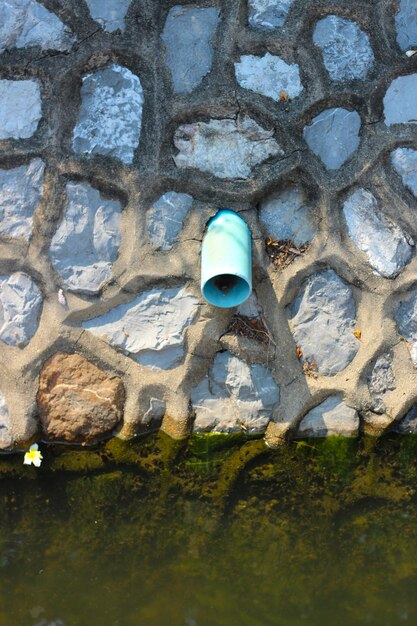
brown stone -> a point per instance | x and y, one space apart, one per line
78 402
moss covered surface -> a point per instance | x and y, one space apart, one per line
211 532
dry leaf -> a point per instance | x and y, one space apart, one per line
358 334
283 252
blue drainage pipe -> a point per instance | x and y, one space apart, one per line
226 260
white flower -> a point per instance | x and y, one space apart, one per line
33 456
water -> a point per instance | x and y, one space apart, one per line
212 532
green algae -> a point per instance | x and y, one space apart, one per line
317 532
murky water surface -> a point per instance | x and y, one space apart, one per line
212 532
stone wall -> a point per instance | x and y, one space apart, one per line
125 126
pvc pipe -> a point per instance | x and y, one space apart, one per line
226 260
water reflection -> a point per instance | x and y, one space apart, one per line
212 533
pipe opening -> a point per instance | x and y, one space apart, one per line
226 290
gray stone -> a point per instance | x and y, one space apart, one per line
381 381
110 117
20 108
400 102
331 417
20 308
110 14
87 240
234 396
188 38
285 215
387 247
408 425
6 440
151 328
333 136
268 75
250 308
156 411
405 162
268 14
406 23
166 217
26 23
323 322
227 148
347 53
20 191
406 318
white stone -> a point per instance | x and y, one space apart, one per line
165 219
20 191
406 318
331 417
323 321
268 75
268 14
408 425
333 136
285 216
26 23
250 308
156 411
188 38
110 116
381 381
110 14
387 247
400 102
347 53
151 328
405 162
234 396
20 308
406 23
87 241
6 440
227 148
20 108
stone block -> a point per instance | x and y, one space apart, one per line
331 417
347 53
20 309
226 148
20 108
188 39
20 191
323 321
110 14
333 136
165 219
77 401
110 116
235 396
387 247
87 240
151 328
269 75
27 23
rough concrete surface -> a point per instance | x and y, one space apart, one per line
124 127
